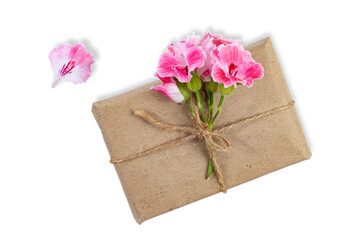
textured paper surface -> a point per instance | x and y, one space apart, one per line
173 177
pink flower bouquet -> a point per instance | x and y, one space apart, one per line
203 65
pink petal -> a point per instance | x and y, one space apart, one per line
171 48
220 76
218 39
181 75
214 56
179 51
165 79
233 80
208 46
192 41
171 91
194 57
182 46
250 71
70 64
205 37
205 76
232 54
81 56
167 62
170 67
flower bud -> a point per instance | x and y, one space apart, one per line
226 91
184 90
195 83
211 86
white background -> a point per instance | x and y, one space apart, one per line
55 178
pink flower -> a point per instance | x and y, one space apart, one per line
208 43
218 40
182 59
169 89
232 64
70 64
208 46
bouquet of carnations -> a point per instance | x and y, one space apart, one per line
200 66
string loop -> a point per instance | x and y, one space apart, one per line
200 131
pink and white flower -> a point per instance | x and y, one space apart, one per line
70 64
208 46
182 59
218 39
169 89
232 64
208 43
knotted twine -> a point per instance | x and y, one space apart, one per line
199 131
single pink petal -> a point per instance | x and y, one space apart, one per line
167 62
169 66
207 45
194 57
232 54
205 37
192 41
70 64
165 80
249 83
250 71
179 51
220 76
181 74
233 80
171 91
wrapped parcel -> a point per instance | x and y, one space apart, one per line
173 177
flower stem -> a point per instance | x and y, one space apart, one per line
218 109
200 106
211 110
208 101
211 104
189 105
210 168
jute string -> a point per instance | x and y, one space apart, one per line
199 131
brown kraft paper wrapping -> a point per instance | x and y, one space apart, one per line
173 177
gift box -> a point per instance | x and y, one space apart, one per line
166 178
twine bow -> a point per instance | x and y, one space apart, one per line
199 131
